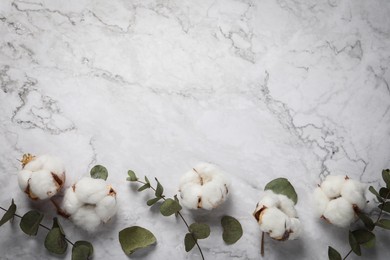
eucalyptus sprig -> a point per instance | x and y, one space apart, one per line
364 236
55 241
172 206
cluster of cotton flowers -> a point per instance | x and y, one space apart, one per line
205 186
90 202
42 176
337 199
277 216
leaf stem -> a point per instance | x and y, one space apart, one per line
262 244
181 216
41 225
350 251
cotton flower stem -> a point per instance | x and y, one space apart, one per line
181 216
41 225
262 244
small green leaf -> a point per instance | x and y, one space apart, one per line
385 206
189 242
82 250
30 222
147 180
152 201
200 230
232 230
373 191
9 214
132 176
354 244
169 207
284 187
55 241
384 223
99 172
364 237
144 187
366 220
134 238
333 254
384 193
159 189
386 177
177 200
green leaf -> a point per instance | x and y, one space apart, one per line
159 189
177 200
30 222
169 207
354 244
384 193
333 254
386 177
364 237
99 172
55 241
373 191
232 230
9 214
134 238
144 187
147 180
132 176
82 250
56 224
284 187
384 223
366 220
189 242
385 206
200 230
152 201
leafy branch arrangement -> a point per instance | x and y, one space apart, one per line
55 241
364 236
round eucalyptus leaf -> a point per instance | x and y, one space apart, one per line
30 221
99 172
284 187
232 230
169 207
364 237
132 176
354 244
134 238
55 241
189 242
386 177
9 214
200 230
333 254
82 250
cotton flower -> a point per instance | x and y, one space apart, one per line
205 186
42 176
277 216
90 202
337 199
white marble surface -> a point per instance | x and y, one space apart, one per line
292 88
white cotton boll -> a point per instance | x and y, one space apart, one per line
36 163
213 194
295 228
106 208
189 196
23 178
89 190
42 184
54 165
332 185
274 222
353 192
70 202
86 218
320 201
287 206
339 212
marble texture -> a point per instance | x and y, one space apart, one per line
292 88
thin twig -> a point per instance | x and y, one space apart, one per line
350 251
262 244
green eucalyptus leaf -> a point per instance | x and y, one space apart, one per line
284 187
189 242
333 254
366 220
200 230
55 241
56 224
152 201
354 244
99 172
385 206
364 237
373 191
134 238
82 250
384 223
147 180
177 200
169 207
144 187
384 193
232 230
30 221
159 189
386 177
132 176
9 214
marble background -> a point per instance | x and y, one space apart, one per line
292 88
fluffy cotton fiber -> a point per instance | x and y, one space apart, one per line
205 186
42 176
90 202
337 199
